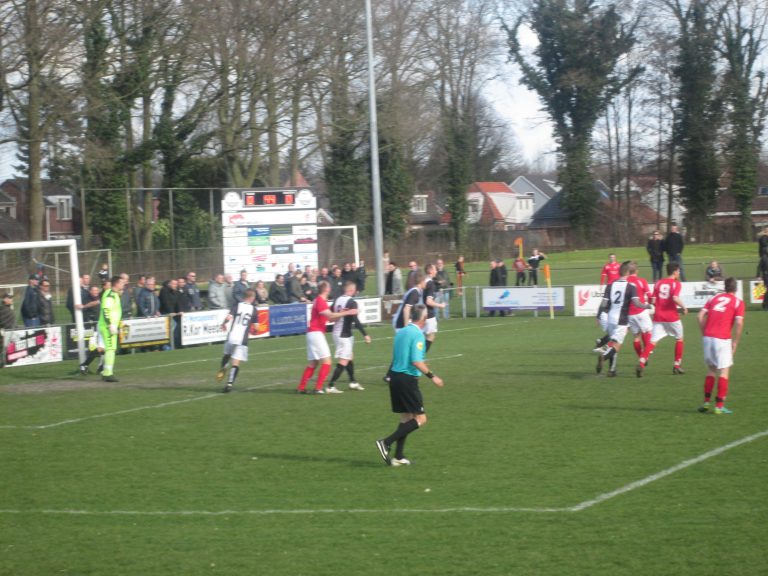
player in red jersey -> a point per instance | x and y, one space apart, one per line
610 271
318 351
717 320
666 319
640 322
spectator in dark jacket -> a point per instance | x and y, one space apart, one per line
7 314
193 292
147 302
30 306
239 287
169 298
46 304
655 249
277 291
360 276
85 283
91 305
673 246
293 287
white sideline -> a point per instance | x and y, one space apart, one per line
653 477
173 402
571 509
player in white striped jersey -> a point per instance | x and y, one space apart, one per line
618 295
242 314
344 340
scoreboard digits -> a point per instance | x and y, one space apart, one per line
277 198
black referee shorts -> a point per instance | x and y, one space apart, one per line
405 394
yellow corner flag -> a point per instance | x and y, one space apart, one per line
548 278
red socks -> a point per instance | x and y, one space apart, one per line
308 372
638 347
722 391
325 369
678 352
709 384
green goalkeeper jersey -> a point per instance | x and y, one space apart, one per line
111 309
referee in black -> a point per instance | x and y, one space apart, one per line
407 365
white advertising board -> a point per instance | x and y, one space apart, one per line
369 310
33 346
523 298
265 229
756 291
138 332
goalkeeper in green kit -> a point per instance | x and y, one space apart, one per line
109 325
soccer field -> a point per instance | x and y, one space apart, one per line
530 463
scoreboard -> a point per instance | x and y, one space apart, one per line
265 229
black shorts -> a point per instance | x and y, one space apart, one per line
405 394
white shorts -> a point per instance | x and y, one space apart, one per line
317 346
430 326
617 332
602 319
640 323
718 352
661 329
343 347
237 351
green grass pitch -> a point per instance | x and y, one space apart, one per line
163 475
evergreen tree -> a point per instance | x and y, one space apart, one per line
396 189
698 111
574 76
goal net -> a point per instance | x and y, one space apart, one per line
57 262
337 245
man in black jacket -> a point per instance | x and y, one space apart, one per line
673 246
655 249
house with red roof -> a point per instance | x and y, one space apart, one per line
495 205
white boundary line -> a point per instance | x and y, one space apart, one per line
659 475
175 402
305 511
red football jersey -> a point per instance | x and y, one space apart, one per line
610 273
643 292
317 320
722 311
666 308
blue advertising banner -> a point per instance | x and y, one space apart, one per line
287 319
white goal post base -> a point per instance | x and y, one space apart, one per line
74 267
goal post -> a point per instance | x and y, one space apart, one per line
71 245
355 244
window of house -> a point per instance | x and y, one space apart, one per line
474 208
763 191
419 204
64 208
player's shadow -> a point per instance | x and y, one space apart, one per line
305 458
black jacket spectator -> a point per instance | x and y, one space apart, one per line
7 315
673 245
30 306
278 293
169 299
655 249
147 303
293 288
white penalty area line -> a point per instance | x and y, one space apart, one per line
466 509
176 402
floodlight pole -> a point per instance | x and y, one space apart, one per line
378 236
